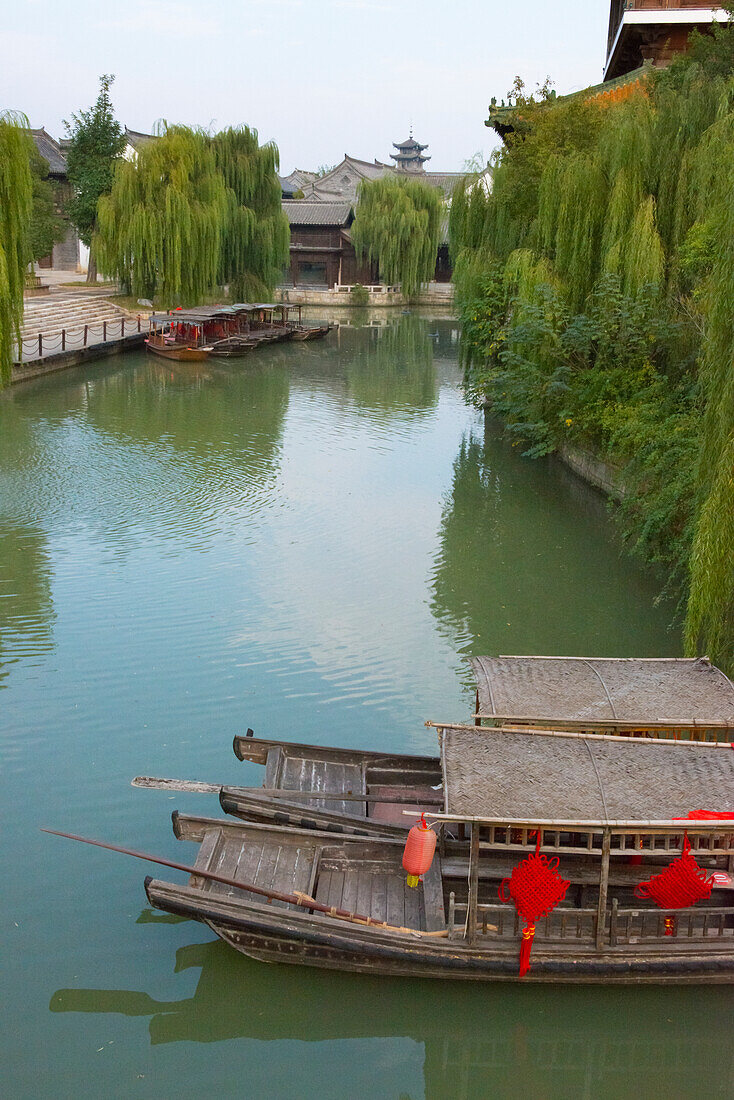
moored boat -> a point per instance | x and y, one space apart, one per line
348 791
181 338
686 698
603 818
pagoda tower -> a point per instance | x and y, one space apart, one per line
409 156
653 31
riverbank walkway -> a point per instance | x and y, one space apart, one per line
60 330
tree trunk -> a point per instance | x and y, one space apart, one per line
91 268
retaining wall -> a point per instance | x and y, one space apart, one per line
602 475
49 364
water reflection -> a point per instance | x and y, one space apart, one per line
477 1040
26 605
525 565
393 369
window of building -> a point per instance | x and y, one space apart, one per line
312 274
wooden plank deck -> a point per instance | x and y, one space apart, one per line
378 888
298 773
280 865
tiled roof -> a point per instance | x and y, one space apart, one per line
137 139
51 151
504 119
318 213
446 181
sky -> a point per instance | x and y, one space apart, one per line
319 77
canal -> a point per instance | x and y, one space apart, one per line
309 542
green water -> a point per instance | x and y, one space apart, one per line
309 542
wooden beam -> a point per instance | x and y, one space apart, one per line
473 883
601 915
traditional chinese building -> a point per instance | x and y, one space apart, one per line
643 35
321 253
65 255
409 156
342 182
653 31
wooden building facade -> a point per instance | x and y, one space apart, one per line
321 252
653 31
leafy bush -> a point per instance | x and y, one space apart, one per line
359 296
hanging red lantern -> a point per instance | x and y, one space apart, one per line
419 851
679 886
536 889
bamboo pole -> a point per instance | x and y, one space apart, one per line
473 883
297 898
684 824
548 731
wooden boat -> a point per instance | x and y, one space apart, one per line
659 697
339 790
310 332
161 342
232 347
609 809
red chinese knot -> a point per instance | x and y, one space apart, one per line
679 886
536 889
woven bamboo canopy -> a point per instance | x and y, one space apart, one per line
493 775
581 692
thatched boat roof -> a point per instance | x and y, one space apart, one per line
536 776
590 691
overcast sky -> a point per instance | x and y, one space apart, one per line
319 77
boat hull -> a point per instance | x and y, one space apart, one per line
181 354
284 937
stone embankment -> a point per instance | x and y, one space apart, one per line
435 294
60 332
602 475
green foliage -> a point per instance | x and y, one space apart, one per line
595 284
398 225
256 235
16 205
97 141
710 622
161 227
359 296
192 213
46 228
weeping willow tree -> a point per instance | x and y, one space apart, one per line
256 234
595 286
398 225
16 205
161 228
710 624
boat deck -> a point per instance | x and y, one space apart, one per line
376 787
283 867
362 878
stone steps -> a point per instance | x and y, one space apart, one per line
51 316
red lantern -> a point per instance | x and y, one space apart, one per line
679 886
536 889
419 851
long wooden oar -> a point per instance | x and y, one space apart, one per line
298 898
192 786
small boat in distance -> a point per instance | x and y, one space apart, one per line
177 337
225 331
